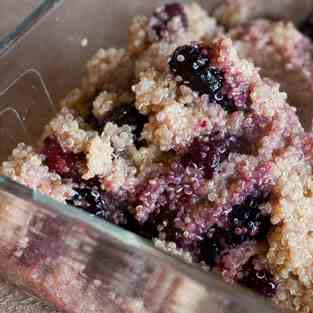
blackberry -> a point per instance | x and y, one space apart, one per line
254 275
245 222
66 164
91 198
306 27
210 248
158 24
160 222
209 151
93 122
191 66
127 114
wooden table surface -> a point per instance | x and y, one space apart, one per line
13 300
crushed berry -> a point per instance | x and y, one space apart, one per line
127 114
91 198
163 199
306 27
160 201
255 276
245 222
170 189
158 24
160 224
210 247
66 164
208 152
191 66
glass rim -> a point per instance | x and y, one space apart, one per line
22 28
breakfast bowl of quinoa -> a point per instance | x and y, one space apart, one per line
195 140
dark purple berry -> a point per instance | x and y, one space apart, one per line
158 24
160 221
66 164
91 198
211 248
255 276
163 200
208 152
191 66
245 222
306 27
93 122
160 200
227 104
127 114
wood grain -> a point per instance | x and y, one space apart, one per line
13 300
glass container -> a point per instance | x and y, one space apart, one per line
61 254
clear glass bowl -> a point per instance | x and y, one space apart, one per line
61 254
